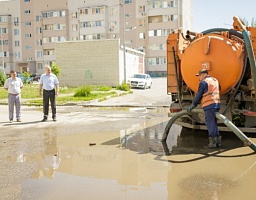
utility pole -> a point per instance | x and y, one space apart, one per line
2 41
124 43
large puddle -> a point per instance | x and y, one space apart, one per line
130 164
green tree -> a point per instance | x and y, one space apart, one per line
26 76
55 69
2 79
247 23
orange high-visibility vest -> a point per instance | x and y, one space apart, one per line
213 93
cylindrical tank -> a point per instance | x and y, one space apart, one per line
221 56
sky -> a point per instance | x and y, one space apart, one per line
209 14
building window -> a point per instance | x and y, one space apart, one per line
142 49
174 17
155 4
27 35
37 18
28 47
4 42
3 30
128 15
89 11
128 41
6 54
27 23
39 54
26 0
112 25
17 54
156 61
93 37
113 36
74 27
54 14
27 11
39 65
113 11
92 24
164 32
38 30
17 43
74 15
142 9
157 47
49 52
142 36
39 42
54 39
142 22
16 32
16 21
172 4
127 1
74 38
3 19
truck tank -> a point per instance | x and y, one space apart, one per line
226 55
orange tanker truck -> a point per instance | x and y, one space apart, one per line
228 55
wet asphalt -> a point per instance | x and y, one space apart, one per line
113 150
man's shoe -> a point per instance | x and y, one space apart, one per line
212 143
18 120
54 119
219 139
10 120
44 120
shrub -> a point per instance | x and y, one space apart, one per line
55 69
84 91
2 79
124 86
104 88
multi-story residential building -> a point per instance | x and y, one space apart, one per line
29 28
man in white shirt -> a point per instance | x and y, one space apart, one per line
50 85
14 85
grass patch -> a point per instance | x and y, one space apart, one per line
30 95
71 99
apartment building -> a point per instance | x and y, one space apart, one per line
29 29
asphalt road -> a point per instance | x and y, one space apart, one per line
156 96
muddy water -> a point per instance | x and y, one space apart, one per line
67 162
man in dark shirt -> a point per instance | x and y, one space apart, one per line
208 92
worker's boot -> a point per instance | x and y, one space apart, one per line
212 142
219 141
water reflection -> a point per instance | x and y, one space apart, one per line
148 140
49 159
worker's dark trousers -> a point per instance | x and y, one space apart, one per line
49 95
211 122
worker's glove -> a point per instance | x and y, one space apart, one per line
190 108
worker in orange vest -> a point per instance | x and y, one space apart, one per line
209 95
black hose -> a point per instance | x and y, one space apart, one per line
231 32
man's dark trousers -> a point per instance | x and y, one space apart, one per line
49 95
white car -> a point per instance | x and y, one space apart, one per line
140 81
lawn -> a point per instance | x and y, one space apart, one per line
30 94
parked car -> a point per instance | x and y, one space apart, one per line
140 81
25 79
35 76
